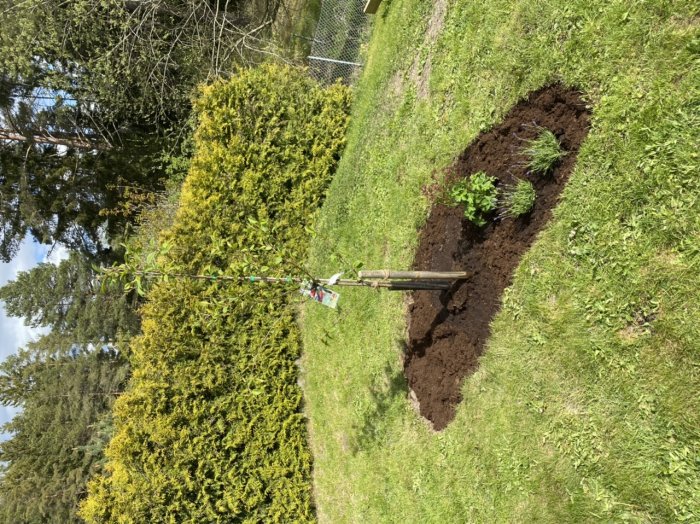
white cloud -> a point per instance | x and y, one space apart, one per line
13 332
55 255
23 260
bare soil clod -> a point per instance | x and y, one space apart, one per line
448 330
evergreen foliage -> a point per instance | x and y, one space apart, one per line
54 446
64 383
137 60
211 428
69 299
60 167
111 82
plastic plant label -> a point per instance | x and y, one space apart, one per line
320 294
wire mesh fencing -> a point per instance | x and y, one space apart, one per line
335 51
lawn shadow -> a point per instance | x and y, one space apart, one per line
384 391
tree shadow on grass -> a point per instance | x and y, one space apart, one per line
385 389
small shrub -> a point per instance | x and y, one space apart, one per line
478 194
518 199
544 151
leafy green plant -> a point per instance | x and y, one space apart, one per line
214 392
543 151
518 198
478 194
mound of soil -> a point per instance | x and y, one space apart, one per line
447 330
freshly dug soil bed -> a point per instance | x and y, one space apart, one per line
447 330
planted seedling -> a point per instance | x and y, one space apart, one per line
518 199
478 194
544 152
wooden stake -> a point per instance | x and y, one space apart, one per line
371 6
432 282
404 285
387 274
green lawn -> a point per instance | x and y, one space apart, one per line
586 407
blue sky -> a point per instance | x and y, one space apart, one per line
13 333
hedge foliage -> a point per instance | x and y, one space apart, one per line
211 428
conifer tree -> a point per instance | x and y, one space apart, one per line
61 166
69 299
57 438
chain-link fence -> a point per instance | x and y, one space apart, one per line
335 50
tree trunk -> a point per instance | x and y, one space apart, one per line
58 139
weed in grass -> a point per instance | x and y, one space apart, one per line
544 152
478 194
518 199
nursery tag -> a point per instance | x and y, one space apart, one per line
320 294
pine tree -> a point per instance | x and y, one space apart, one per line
60 167
57 439
69 299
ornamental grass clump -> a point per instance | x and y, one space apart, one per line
543 152
518 199
478 194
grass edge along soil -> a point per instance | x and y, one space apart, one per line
448 330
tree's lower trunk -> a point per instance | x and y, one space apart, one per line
58 139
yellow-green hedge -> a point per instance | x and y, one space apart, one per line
211 428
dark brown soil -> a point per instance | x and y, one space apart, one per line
448 330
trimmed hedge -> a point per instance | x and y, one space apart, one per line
211 428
